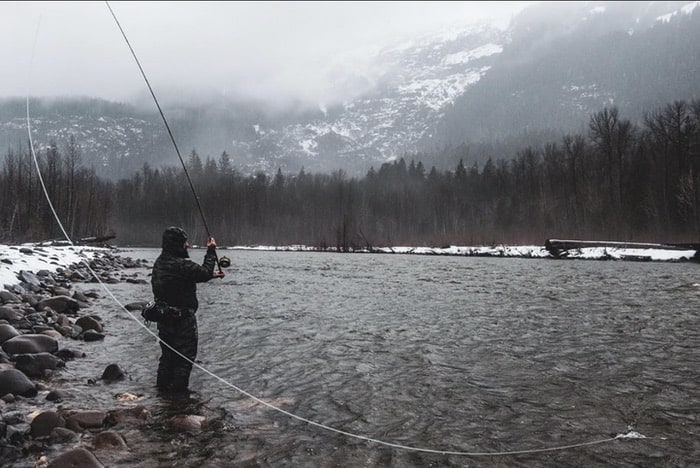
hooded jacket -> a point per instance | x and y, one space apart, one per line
175 276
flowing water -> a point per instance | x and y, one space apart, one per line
458 354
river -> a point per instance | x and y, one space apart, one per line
429 353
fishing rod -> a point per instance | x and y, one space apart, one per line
170 133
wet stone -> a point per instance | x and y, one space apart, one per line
58 395
62 435
77 457
30 343
109 440
59 304
7 331
92 335
11 315
112 373
35 365
86 420
44 423
89 322
15 382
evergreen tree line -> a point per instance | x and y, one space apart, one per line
618 181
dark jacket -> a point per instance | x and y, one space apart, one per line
175 276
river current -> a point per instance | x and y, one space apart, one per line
437 353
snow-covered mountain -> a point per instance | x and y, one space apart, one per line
420 80
557 63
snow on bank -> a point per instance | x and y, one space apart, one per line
522 251
31 257
34 258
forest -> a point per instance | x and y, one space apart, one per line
617 181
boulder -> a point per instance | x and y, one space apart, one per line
58 395
68 354
86 420
35 365
109 440
88 322
62 435
10 314
80 297
29 278
92 335
188 422
30 343
15 382
7 297
77 457
44 423
59 304
113 372
6 332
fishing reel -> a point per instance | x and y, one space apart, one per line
224 262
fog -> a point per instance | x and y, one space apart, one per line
313 53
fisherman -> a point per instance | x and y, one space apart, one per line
174 281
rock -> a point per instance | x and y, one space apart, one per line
30 344
35 365
86 420
92 335
11 315
7 297
52 333
62 435
77 457
44 423
88 322
58 395
59 304
29 278
132 306
6 332
60 291
188 422
109 440
80 297
68 354
15 382
112 373
30 299
63 320
135 416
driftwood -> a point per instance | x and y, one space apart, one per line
559 247
95 240
83 241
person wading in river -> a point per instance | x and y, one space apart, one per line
174 281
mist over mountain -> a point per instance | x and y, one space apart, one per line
489 90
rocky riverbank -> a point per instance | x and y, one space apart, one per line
46 326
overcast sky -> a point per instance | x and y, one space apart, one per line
280 50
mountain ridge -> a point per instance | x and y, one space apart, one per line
543 76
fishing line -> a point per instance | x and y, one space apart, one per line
630 434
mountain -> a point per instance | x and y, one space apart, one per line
473 92
567 60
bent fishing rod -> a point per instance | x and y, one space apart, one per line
167 127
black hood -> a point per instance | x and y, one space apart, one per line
174 239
